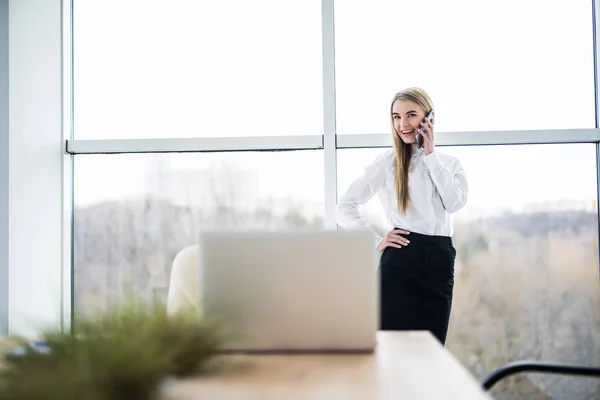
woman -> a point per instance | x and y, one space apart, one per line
419 188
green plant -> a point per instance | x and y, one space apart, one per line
123 353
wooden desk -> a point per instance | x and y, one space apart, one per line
406 365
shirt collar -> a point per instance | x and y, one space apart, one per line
417 151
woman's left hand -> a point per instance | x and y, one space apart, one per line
427 133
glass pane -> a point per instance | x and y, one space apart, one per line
527 274
135 212
191 68
502 65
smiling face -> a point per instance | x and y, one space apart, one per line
407 117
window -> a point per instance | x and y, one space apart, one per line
510 65
527 265
526 284
197 68
134 212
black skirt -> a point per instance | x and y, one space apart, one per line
417 283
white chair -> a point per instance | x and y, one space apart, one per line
184 286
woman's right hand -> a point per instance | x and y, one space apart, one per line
394 239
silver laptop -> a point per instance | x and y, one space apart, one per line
291 291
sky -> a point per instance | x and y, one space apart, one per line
230 68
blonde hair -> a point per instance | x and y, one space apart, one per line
404 151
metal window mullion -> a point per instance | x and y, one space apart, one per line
329 112
481 138
329 141
256 143
595 19
4 167
68 231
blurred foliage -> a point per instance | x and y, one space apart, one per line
124 352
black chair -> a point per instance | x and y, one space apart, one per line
536 366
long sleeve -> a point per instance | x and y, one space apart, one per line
449 179
359 192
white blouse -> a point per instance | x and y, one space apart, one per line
437 187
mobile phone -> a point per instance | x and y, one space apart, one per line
419 136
